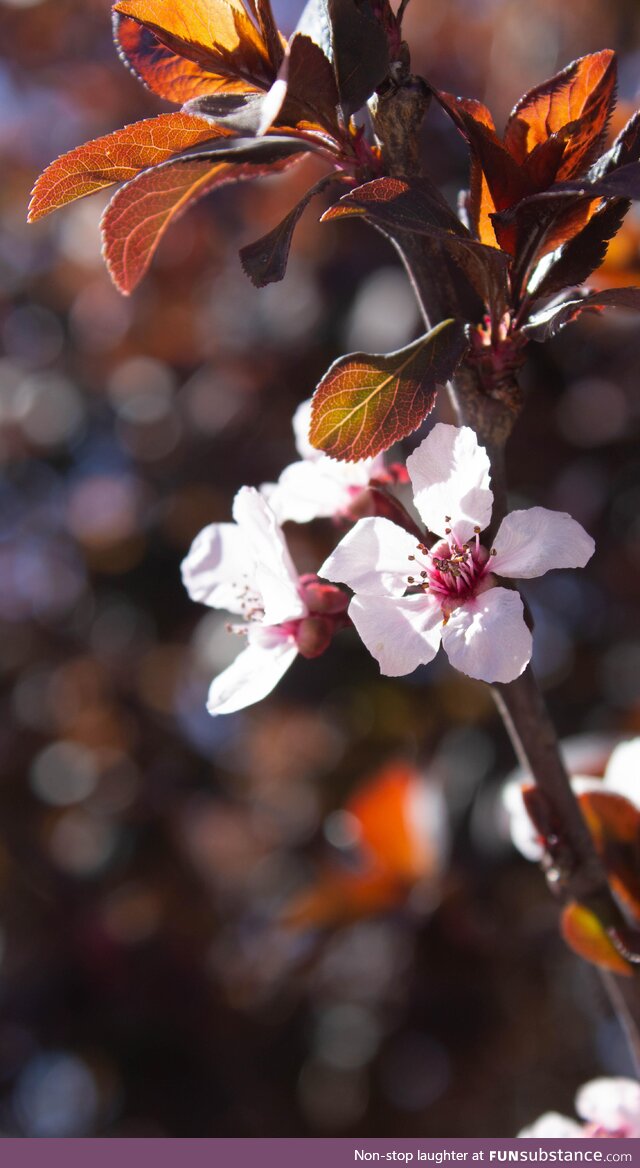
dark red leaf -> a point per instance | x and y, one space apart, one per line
355 43
548 321
625 149
622 183
312 94
239 113
141 212
405 204
268 149
414 205
265 261
366 402
584 253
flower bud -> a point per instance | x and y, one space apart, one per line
322 598
313 635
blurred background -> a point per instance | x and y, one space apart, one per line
305 919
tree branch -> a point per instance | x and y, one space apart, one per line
486 395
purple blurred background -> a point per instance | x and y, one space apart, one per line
147 984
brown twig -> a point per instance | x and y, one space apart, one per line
492 409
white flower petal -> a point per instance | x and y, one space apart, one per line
301 425
253 674
308 490
524 836
450 476
215 566
613 1104
372 558
268 561
400 633
623 771
530 543
487 638
552 1126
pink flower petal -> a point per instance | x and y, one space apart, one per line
253 674
552 1126
530 543
487 638
268 561
450 476
613 1104
373 558
309 490
215 565
301 424
400 633
623 771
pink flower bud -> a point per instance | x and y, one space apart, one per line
313 635
322 598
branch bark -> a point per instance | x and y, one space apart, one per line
491 406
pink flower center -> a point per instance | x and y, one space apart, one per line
452 573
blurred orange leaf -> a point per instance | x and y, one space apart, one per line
614 824
116 157
585 934
398 844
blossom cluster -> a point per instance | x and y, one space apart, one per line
413 587
608 1108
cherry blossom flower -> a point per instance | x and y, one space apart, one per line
245 568
318 487
621 777
610 1109
452 594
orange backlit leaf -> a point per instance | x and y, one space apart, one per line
583 94
366 402
165 72
116 158
586 935
481 204
216 35
503 174
139 215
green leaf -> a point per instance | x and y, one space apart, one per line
366 402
